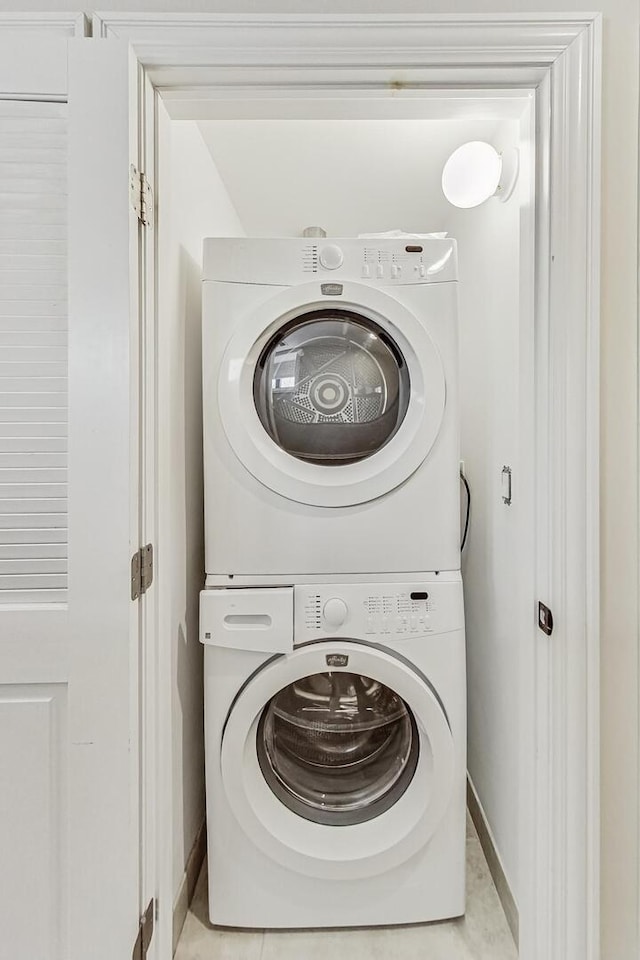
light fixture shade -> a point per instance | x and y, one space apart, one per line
471 174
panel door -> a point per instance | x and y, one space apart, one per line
68 497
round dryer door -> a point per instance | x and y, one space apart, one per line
338 759
331 402
331 387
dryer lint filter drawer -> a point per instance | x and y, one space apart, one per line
242 619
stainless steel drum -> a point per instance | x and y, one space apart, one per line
337 748
331 387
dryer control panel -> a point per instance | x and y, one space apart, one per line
373 261
378 612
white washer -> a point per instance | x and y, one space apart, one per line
335 753
331 433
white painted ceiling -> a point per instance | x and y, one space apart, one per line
348 176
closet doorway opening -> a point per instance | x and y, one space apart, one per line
249 123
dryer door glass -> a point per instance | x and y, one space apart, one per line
337 748
331 387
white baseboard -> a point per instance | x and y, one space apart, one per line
188 884
494 862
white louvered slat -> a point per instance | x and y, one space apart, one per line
32 338
31 460
25 309
26 275
15 431
29 261
26 368
30 473
12 153
33 248
23 399
37 491
28 140
33 446
33 384
43 353
12 507
23 521
19 567
28 324
21 598
30 231
32 581
28 551
39 415
20 537
33 352
36 202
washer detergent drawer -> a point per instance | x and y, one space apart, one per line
242 619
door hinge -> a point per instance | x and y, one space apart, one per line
141 571
141 196
545 618
145 932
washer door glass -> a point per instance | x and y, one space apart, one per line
331 387
337 748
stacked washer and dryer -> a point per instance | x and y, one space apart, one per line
332 618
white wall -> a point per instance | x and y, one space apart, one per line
193 204
348 176
488 252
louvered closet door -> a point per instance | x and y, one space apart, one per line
33 352
34 624
68 501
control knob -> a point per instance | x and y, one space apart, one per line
331 257
334 612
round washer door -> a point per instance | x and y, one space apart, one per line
331 401
338 760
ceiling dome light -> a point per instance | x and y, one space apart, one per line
476 171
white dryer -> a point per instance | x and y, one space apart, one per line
335 753
331 438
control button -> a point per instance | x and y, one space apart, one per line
334 612
331 257
366 270
422 270
414 623
379 271
371 625
395 271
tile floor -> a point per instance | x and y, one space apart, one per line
482 934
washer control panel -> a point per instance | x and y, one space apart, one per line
377 612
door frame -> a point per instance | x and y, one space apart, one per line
190 57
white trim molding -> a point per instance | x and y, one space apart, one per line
494 861
51 24
34 54
231 57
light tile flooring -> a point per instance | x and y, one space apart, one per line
482 934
